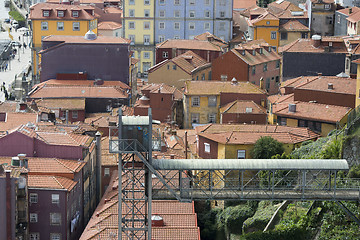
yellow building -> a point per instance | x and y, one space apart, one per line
138 26
203 99
291 31
58 19
357 99
266 27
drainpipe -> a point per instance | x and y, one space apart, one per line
186 145
8 206
98 166
67 117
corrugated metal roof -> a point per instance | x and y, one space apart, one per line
250 164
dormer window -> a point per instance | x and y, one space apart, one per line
46 13
75 14
60 13
254 52
261 51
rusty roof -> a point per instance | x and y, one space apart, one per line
36 12
200 88
306 45
60 103
50 182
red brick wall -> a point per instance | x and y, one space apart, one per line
81 116
271 73
339 99
244 118
161 105
232 66
205 54
213 148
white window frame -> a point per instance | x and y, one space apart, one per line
196 117
34 236
33 198
192 2
176 13
161 38
131 12
55 219
46 13
55 236
33 217
76 26
207 26
146 39
207 14
221 26
207 147
60 13
212 118
75 14
146 2
212 101
191 26
176 2
191 14
222 14
55 198
176 37
161 2
131 25
147 25
44 26
195 101
131 2
273 35
241 154
60 26
162 13
147 13
176 25
106 172
161 25
74 114
132 39
165 54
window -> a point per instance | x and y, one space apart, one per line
75 14
267 83
146 25
207 26
222 2
44 26
75 114
207 2
277 79
192 2
55 236
146 66
161 25
131 25
222 26
55 198
191 14
223 77
33 217
76 26
176 25
267 22
131 12
162 2
222 14
265 67
283 36
131 2
253 70
347 63
212 118
34 236
60 26
281 121
176 2
46 13
33 198
146 40
207 14
241 154
60 13
211 100
176 37
195 101
132 39
195 117
174 67
304 35
273 35
278 64
161 38
165 55
162 13
207 147
191 26
106 171
177 13
55 218
146 2
327 6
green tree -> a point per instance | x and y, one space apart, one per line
266 147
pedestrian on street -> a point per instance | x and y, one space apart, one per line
24 45
19 38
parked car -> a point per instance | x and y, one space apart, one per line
15 24
7 20
15 44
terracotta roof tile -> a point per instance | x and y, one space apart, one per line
8 106
56 104
340 84
217 87
56 82
36 12
81 39
109 26
354 17
211 38
52 182
163 88
293 25
315 112
242 4
191 44
244 51
241 106
346 11
14 120
113 9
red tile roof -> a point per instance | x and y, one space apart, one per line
109 26
37 14
242 106
163 88
306 45
16 119
242 4
59 103
293 25
50 182
346 11
191 44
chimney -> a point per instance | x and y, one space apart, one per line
234 81
23 160
15 162
292 107
319 74
330 86
22 106
33 105
157 221
172 156
350 11
98 166
316 40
